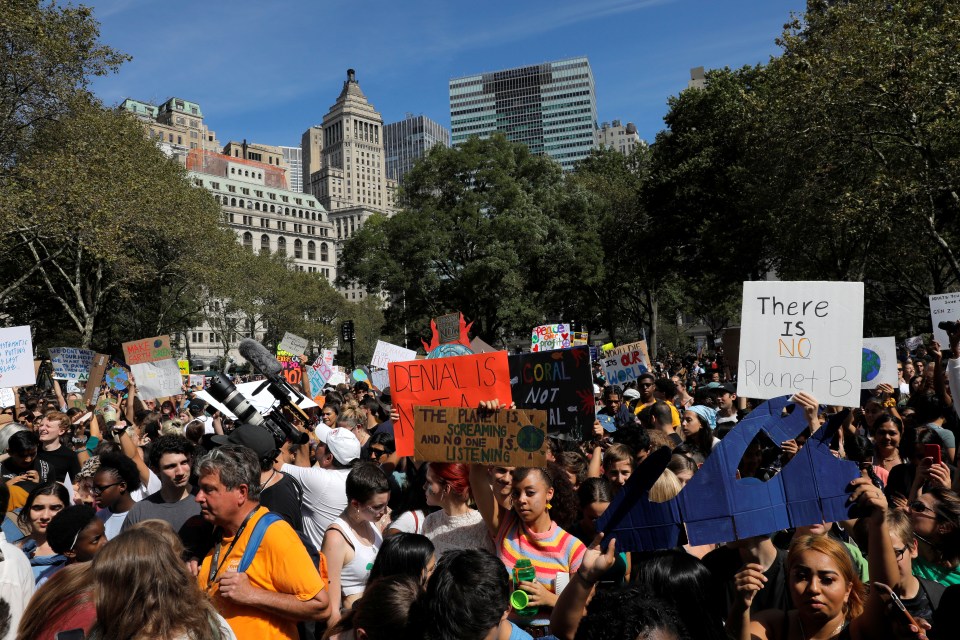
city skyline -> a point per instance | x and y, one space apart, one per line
281 83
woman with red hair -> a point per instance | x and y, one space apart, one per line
456 525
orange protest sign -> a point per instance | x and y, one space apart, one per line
459 381
147 350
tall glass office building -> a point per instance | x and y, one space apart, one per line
407 141
551 107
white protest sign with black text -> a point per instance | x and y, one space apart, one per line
944 307
16 357
157 379
293 344
879 363
802 336
385 353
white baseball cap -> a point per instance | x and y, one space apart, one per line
341 443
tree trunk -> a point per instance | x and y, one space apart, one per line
653 309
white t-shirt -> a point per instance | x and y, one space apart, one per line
409 522
324 497
16 583
152 486
112 522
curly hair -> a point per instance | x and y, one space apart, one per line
564 506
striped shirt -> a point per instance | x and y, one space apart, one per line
551 552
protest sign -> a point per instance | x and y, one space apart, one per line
292 344
290 366
515 438
328 356
625 363
117 377
912 344
380 379
479 346
448 327
385 353
731 348
459 381
70 364
879 364
98 369
7 399
580 338
157 379
558 382
944 307
801 336
184 366
550 336
147 350
16 357
197 380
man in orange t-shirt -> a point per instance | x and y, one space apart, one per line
282 586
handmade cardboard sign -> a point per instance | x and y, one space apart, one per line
291 366
197 380
293 344
515 438
731 348
157 379
879 363
385 353
550 336
479 346
625 363
459 381
184 366
70 363
716 506
580 338
558 382
117 377
147 350
448 327
7 399
801 336
98 369
944 306
16 357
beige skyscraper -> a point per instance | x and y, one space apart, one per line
351 183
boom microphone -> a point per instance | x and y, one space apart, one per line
257 355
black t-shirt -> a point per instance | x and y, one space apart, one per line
63 461
724 563
286 499
920 605
43 469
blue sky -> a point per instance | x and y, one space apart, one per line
265 70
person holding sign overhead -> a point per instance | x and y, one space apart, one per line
528 532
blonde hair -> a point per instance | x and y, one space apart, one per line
666 487
836 552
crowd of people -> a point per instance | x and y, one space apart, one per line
131 518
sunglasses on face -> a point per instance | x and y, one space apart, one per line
919 507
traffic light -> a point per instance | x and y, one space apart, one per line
346 331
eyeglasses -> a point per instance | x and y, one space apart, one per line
379 453
919 507
899 553
97 490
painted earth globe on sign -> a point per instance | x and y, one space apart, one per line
871 365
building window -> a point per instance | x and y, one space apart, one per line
324 253
248 240
282 246
264 243
298 249
311 250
